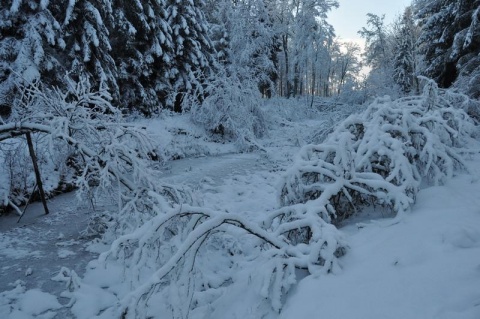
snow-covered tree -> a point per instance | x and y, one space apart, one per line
144 53
85 28
29 38
245 40
310 45
449 40
304 34
245 71
231 110
186 260
405 55
217 15
163 51
379 56
193 50
346 67
377 53
80 128
53 37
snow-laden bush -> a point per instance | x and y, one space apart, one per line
231 110
282 112
334 112
380 157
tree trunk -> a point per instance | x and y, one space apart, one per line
177 107
285 52
37 172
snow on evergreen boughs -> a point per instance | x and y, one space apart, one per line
380 157
449 40
29 36
405 64
143 52
193 50
86 30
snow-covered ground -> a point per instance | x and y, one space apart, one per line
423 265
32 252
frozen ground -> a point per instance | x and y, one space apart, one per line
33 250
425 266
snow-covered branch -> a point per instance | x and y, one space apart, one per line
172 241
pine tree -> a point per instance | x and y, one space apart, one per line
162 50
144 52
217 14
29 39
85 27
404 72
450 41
193 50
42 40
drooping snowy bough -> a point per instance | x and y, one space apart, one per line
182 262
380 157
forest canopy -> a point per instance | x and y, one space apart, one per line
153 55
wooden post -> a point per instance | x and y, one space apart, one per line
37 172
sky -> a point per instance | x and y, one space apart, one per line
351 16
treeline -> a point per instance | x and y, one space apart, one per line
439 39
142 52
